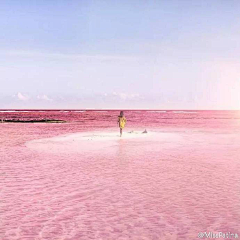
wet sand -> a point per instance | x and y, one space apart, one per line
96 185
57 182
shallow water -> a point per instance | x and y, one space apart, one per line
182 179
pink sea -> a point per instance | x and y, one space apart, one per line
80 180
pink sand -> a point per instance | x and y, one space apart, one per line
79 180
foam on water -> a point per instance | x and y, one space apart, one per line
188 112
153 111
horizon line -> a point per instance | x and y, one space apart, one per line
111 109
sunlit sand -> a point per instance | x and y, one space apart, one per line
81 180
93 141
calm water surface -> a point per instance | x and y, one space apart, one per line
170 186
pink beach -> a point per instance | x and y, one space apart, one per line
80 180
119 120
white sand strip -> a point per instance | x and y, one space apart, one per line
94 141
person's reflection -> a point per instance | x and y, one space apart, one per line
122 160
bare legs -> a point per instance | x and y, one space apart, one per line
120 132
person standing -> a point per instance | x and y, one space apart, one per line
121 121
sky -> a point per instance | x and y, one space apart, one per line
136 54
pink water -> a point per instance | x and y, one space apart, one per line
182 180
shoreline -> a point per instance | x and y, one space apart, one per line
32 121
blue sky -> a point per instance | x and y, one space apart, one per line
120 54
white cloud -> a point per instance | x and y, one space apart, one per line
22 97
44 97
125 96
134 95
